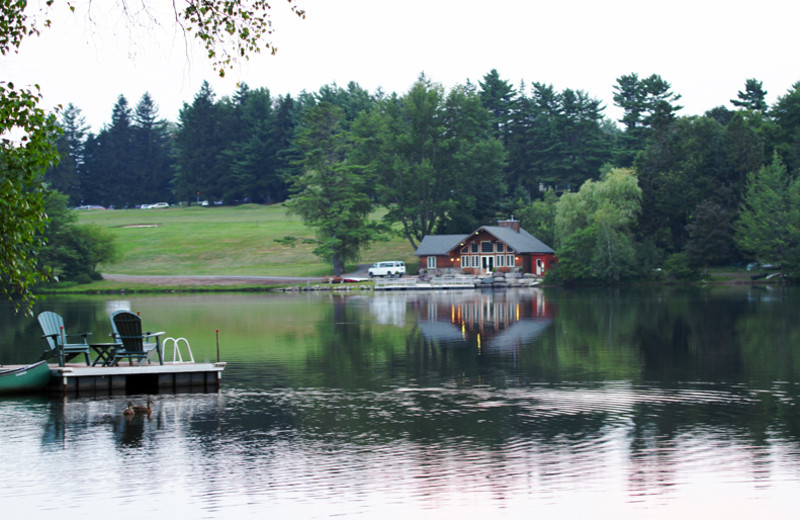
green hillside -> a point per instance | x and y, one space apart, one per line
236 240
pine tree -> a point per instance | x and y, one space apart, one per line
65 177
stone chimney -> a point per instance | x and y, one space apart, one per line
510 223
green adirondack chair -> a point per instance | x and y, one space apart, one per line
54 333
126 328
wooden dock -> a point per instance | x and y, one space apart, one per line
415 284
81 380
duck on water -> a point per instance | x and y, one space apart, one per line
139 410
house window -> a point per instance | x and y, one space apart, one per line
510 260
476 261
500 262
487 247
500 247
431 262
474 247
464 261
464 250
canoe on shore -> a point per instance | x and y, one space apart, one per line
20 379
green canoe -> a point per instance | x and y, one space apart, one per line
30 378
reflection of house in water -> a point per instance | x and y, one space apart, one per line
496 321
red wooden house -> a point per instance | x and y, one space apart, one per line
504 247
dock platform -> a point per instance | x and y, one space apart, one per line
80 380
414 284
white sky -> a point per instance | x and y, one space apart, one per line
705 48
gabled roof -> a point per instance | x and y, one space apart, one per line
438 244
521 242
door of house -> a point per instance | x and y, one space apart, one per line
487 263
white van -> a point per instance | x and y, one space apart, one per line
393 268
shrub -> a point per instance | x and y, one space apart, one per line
680 267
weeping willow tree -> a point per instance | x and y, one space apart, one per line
594 238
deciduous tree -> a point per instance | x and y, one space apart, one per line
434 163
594 229
768 227
330 193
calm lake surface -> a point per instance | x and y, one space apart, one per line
642 403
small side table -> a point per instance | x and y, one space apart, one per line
105 352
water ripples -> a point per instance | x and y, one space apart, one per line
316 452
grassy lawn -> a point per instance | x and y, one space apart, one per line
236 240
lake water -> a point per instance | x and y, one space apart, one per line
641 403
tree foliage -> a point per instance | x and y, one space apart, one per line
329 193
649 108
753 97
768 227
229 30
594 229
73 252
435 164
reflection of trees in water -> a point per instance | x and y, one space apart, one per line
21 337
657 377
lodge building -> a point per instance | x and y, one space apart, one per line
505 247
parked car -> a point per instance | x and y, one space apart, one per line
157 205
391 268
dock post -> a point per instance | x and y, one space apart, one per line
217 345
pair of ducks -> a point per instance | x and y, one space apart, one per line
139 410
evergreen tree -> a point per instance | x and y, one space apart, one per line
199 144
753 97
118 155
786 131
498 97
153 156
648 105
109 176
66 175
